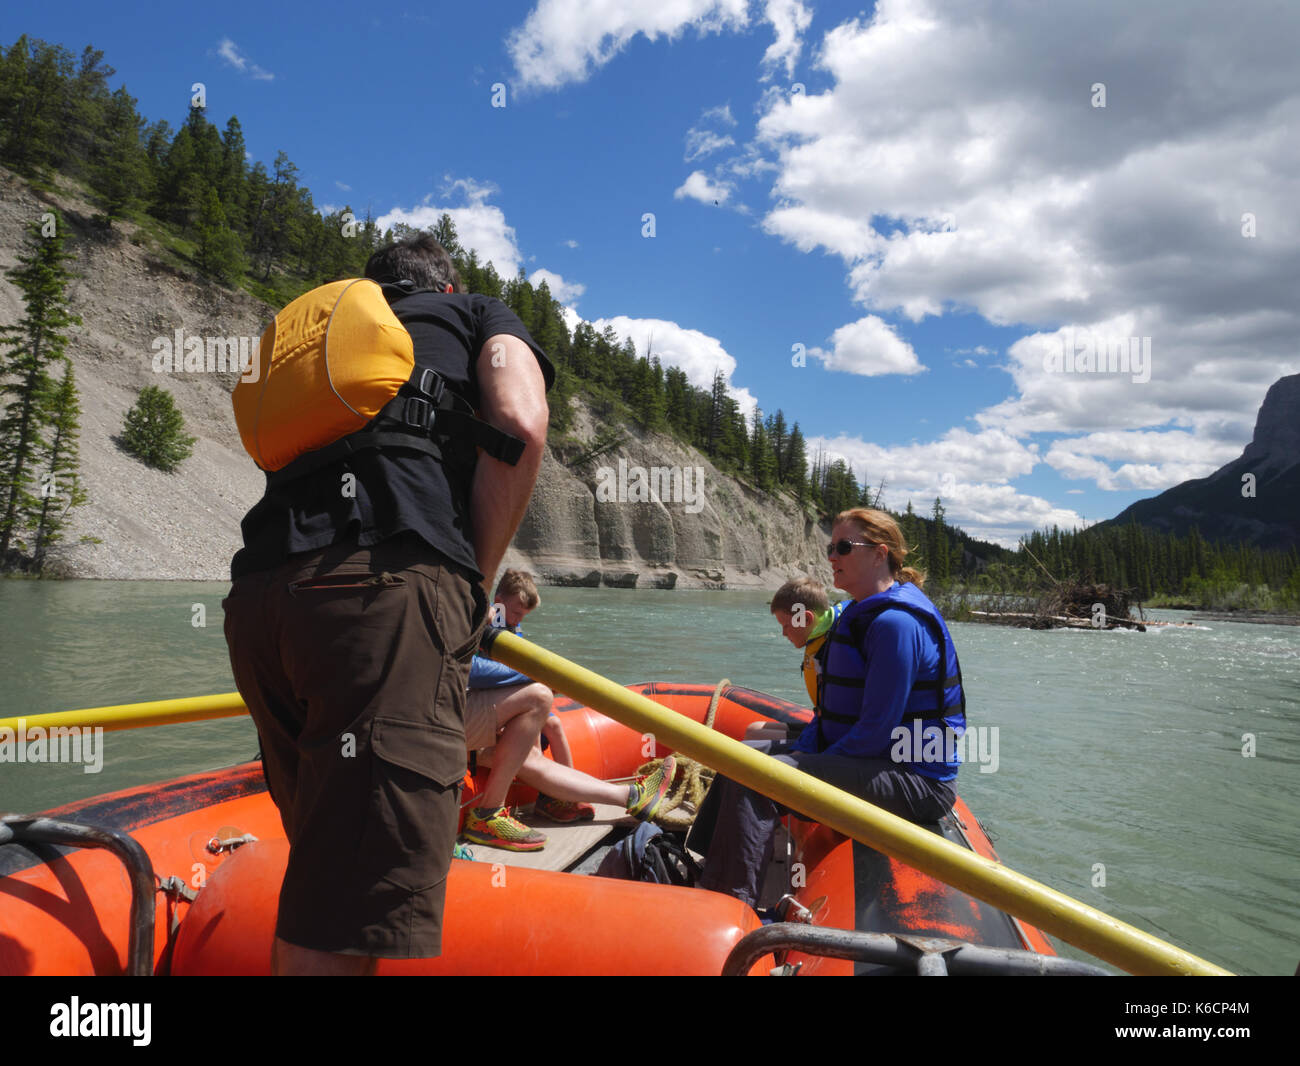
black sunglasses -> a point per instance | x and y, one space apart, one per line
843 547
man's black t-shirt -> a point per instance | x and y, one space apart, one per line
395 490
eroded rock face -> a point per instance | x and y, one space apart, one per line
140 523
653 513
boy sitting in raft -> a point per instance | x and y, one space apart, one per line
516 598
804 612
506 715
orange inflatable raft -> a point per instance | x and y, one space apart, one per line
183 878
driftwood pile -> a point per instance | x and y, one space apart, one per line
1076 604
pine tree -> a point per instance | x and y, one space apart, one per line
519 298
551 332
83 114
797 464
677 401
716 430
445 234
36 342
34 79
155 430
123 169
221 254
762 463
491 282
908 527
282 217
232 183
779 440
189 170
60 483
939 555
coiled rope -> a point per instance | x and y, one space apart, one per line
682 804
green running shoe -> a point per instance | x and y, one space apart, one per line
648 792
497 829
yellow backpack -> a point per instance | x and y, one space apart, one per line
337 375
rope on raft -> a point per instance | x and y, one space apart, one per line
682 804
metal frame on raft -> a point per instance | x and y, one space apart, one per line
29 829
1055 913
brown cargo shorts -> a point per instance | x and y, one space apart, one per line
354 664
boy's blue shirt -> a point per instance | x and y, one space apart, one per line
488 673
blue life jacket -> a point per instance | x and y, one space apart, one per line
936 702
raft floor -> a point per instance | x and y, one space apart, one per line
566 843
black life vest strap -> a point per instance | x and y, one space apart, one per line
422 417
858 627
349 446
834 716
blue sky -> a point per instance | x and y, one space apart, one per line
930 198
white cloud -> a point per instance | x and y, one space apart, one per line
698 187
570 243
1199 377
698 354
1154 460
789 18
869 347
565 41
344 187
571 316
567 292
970 471
229 51
479 225
721 114
700 143
957 163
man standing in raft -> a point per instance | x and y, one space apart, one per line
359 596
891 662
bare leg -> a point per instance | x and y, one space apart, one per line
521 712
765 731
290 960
565 783
553 730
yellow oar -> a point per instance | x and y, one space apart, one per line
128 715
1054 912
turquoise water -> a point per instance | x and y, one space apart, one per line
1119 754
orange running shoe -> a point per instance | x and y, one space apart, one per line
564 810
498 829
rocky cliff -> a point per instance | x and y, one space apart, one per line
650 513
1255 498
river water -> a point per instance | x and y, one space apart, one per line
1151 775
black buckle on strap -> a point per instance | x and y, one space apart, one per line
419 413
432 385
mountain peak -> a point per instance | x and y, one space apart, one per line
1277 427
1255 498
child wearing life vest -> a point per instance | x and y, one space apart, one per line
804 612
